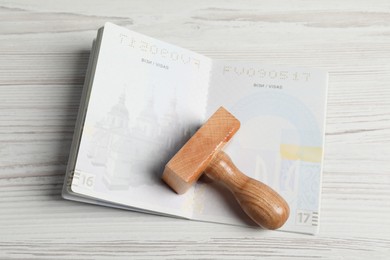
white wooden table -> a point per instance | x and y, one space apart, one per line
44 49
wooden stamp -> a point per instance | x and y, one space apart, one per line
203 153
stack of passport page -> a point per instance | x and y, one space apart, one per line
144 98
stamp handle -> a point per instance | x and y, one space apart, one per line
260 202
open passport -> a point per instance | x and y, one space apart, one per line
144 98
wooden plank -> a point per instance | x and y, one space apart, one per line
44 49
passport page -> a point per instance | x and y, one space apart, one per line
147 98
280 142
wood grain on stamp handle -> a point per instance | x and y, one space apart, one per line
203 153
261 203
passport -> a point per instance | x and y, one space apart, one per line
144 98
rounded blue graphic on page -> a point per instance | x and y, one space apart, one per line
283 106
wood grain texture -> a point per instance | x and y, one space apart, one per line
190 162
259 201
203 153
44 49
